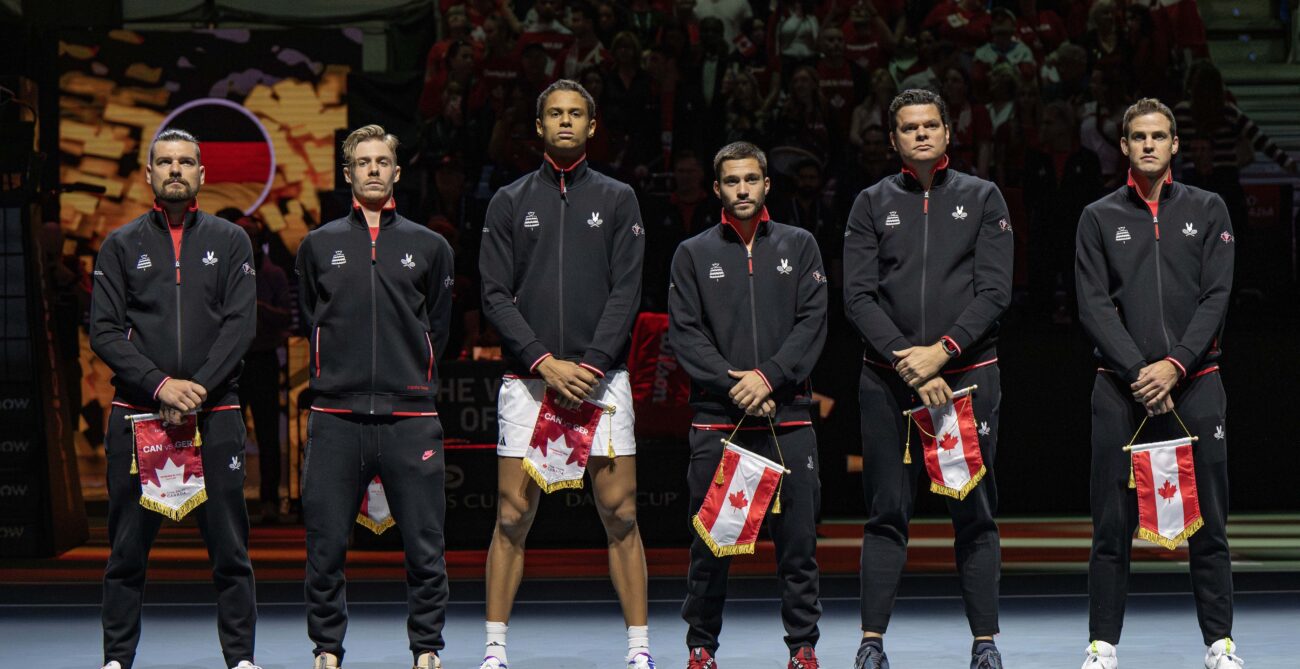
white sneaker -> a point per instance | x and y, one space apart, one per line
1223 655
641 661
1101 655
325 661
428 660
245 664
113 665
491 662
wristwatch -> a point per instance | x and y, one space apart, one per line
949 346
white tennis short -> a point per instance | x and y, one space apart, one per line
521 399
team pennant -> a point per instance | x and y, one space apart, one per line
1168 510
950 445
561 442
169 460
737 500
375 514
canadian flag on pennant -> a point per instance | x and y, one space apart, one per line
375 514
1168 511
950 443
561 443
734 507
170 463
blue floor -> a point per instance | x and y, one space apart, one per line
926 632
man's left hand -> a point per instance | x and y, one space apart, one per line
750 390
1154 382
917 364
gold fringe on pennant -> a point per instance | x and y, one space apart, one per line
542 482
719 551
178 512
907 454
1171 544
378 528
776 505
961 493
609 411
1132 481
721 477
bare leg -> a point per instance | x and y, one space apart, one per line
516 508
614 484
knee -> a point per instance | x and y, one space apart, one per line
619 521
515 517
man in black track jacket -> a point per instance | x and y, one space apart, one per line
376 295
747 304
172 314
561 271
1153 269
927 275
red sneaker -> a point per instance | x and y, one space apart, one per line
700 659
806 658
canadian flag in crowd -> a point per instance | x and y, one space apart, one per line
951 446
375 514
734 507
170 462
561 443
1168 511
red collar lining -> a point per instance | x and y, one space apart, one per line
390 205
941 165
570 168
730 220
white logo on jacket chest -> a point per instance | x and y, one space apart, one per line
784 267
984 429
407 262
594 221
1218 432
892 218
338 259
143 262
959 213
235 464
715 272
210 259
1122 235
530 221
1189 230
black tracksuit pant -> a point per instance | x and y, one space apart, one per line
1202 405
344 453
259 391
223 522
793 531
890 488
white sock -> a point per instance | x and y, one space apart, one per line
638 641
496 641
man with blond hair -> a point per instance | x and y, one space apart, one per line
376 296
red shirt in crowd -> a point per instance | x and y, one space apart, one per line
1042 33
965 28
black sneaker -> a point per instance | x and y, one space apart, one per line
987 657
871 656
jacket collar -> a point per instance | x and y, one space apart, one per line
562 177
731 226
160 217
1135 187
939 171
387 214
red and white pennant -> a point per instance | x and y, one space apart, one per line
1168 509
734 507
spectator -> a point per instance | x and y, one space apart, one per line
747 109
939 58
544 27
438 62
734 14
627 97
1002 48
514 146
609 21
868 36
1065 74
479 11
1152 51
906 59
1041 29
1107 48
586 50
965 23
600 149
801 115
536 68
500 66
689 209
874 109
1008 145
704 84
805 206
841 81
874 160
1103 122
971 145
796 35
752 55
645 21
1029 113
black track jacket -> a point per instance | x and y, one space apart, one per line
920 266
561 267
1150 291
378 313
735 309
156 315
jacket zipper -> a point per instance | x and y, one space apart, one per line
1160 293
374 326
925 256
564 208
176 256
753 311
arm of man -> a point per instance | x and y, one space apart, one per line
1217 259
238 315
305 268
438 294
994 257
615 322
862 283
496 268
108 327
795 359
691 340
1097 313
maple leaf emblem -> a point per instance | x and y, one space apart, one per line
1167 490
738 500
948 441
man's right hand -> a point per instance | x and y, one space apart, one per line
182 395
573 382
935 392
1160 406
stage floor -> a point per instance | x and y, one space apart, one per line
548 632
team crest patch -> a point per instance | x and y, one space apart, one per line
1005 225
1226 237
248 269
637 230
818 276
144 262
1122 234
715 272
892 218
530 221
338 259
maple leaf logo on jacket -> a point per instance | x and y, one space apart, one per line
738 500
948 441
1167 490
